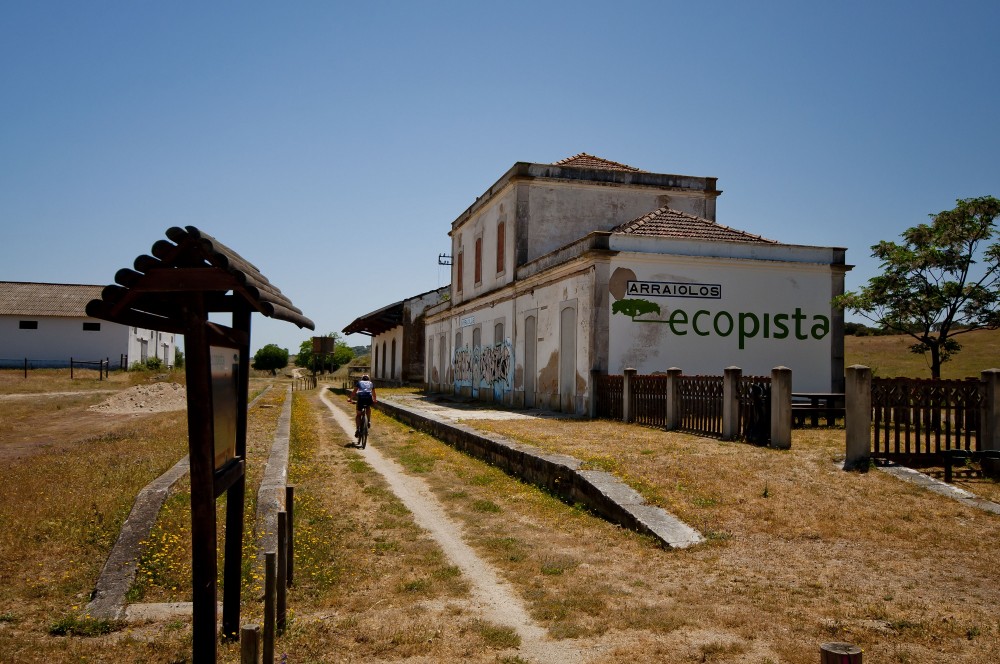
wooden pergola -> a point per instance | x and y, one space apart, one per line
189 276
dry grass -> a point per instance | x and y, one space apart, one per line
60 511
370 585
798 552
890 357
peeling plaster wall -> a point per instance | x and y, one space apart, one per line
483 224
545 303
561 213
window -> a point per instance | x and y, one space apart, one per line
498 333
459 265
501 242
27 325
479 260
91 327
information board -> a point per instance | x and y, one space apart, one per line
225 381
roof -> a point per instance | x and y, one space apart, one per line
156 294
386 318
584 160
20 298
378 321
665 222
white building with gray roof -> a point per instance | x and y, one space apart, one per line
47 324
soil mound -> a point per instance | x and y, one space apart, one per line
153 398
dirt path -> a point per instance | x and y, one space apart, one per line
492 597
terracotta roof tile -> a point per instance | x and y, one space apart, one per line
584 160
665 222
18 298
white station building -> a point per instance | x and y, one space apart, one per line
588 265
47 324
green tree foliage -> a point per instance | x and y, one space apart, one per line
943 280
270 358
304 358
342 354
633 308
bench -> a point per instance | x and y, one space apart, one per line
958 454
814 405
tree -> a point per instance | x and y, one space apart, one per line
633 308
941 282
270 358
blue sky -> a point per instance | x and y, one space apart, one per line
332 144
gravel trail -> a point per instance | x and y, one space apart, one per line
492 597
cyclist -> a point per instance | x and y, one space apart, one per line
364 397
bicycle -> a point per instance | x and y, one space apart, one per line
363 430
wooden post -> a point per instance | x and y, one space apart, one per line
290 523
673 403
71 368
839 653
731 403
250 644
233 558
25 367
281 582
201 451
269 564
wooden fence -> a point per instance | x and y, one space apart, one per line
755 409
920 420
649 400
699 403
610 392
303 383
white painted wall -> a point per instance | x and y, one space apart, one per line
767 314
158 344
387 369
60 337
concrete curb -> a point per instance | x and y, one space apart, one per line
271 494
557 473
939 487
108 599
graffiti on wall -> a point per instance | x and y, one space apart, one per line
462 366
485 366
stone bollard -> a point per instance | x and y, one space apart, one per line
627 414
781 408
731 403
990 425
858 416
